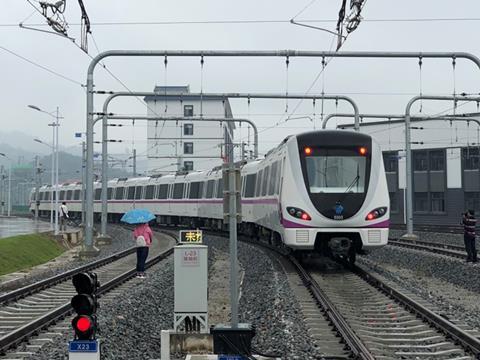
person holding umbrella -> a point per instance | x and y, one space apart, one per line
142 235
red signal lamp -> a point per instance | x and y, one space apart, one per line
363 150
308 151
84 327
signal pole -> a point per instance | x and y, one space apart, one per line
37 186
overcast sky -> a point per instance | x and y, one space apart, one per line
378 86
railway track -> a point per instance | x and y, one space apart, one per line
373 319
29 310
451 250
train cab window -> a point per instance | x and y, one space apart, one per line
250 185
149 191
62 195
178 190
76 195
138 192
69 195
130 192
266 172
273 179
119 193
109 193
98 194
195 190
210 184
258 184
162 191
220 189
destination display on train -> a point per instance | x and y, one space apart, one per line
191 237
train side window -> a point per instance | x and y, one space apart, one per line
138 192
242 189
204 190
149 190
220 189
195 190
130 192
279 176
273 179
266 171
163 191
258 185
47 195
69 195
76 195
250 185
109 193
40 195
178 190
119 193
210 184
61 195
98 194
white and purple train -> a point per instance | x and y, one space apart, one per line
322 191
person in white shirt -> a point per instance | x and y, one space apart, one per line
63 216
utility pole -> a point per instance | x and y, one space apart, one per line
37 185
2 189
56 170
83 181
134 162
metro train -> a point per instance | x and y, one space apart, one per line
320 191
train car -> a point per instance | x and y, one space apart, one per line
320 191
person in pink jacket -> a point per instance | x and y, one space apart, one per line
143 238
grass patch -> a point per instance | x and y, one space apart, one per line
24 251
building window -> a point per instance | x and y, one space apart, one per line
188 165
188 148
437 160
393 201
420 161
187 110
187 129
437 199
421 201
390 161
472 201
470 158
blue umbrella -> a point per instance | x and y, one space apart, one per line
137 216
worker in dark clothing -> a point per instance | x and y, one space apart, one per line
469 223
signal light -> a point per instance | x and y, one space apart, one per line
85 305
376 213
308 151
298 213
363 150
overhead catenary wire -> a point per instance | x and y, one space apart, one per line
42 67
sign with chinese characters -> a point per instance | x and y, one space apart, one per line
190 237
190 257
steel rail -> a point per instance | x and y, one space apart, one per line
42 284
27 330
427 246
354 343
466 340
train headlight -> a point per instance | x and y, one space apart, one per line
298 213
376 213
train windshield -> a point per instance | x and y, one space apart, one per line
336 174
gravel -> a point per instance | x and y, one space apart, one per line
121 240
132 324
449 284
268 303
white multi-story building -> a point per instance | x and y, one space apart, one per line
185 144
